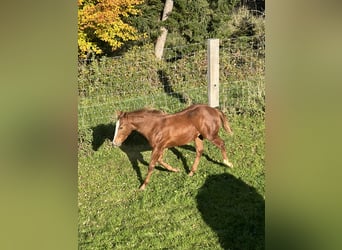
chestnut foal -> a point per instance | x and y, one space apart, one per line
162 131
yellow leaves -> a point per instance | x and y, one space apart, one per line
102 20
85 46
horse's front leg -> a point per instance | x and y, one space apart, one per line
199 151
165 165
154 158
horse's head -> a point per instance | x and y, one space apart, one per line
135 120
123 129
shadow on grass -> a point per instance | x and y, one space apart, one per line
234 211
101 133
168 87
193 149
135 145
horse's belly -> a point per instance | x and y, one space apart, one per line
180 140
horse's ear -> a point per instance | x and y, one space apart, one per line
118 113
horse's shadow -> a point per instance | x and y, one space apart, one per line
193 149
101 133
135 145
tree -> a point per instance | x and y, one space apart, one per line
101 24
160 43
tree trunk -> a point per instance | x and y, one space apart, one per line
160 43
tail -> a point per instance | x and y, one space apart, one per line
225 122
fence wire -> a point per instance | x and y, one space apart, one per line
137 80
242 76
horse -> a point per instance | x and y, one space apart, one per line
162 131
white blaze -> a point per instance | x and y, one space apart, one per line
116 129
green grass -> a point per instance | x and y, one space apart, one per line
216 208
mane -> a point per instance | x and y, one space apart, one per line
148 111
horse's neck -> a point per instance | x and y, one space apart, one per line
143 124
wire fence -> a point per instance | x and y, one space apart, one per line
242 76
138 80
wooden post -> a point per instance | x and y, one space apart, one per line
213 72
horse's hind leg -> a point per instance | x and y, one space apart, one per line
154 158
199 151
220 144
165 165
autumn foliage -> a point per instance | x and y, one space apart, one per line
101 21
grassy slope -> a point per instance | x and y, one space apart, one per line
216 208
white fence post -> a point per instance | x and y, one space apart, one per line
213 72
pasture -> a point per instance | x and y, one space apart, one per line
217 208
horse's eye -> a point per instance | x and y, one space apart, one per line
120 127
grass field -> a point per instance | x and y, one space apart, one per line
217 208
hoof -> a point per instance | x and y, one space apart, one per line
229 164
191 174
142 187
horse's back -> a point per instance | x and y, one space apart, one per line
206 119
